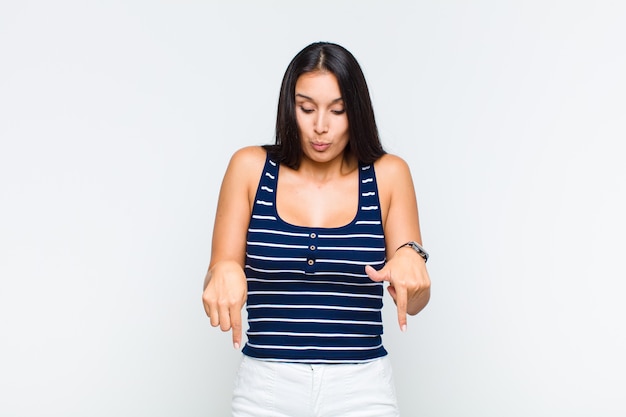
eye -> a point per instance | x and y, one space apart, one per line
306 110
338 112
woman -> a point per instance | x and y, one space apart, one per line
306 231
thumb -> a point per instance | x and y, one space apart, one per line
377 276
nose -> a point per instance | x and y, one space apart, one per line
321 123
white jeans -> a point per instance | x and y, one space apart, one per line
276 389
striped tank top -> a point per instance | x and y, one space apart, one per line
309 298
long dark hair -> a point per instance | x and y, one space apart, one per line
364 142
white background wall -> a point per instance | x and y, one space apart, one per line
117 119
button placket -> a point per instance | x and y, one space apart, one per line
312 256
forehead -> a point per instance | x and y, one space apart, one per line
318 85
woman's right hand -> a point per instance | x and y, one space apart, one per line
225 293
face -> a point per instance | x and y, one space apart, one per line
321 116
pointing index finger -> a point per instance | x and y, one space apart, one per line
235 322
401 304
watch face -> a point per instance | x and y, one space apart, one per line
419 250
417 247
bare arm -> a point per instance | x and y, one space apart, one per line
409 283
225 287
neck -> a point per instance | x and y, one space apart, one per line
323 172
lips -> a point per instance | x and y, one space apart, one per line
320 146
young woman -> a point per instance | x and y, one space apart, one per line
306 232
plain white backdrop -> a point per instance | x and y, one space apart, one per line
117 120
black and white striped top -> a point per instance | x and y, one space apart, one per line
309 299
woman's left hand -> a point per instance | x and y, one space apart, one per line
409 283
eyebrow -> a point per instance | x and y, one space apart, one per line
311 99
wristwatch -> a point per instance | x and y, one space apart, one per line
417 248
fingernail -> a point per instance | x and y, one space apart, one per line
236 345
403 328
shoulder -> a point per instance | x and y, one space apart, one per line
397 198
250 156
393 177
245 168
390 168
248 161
